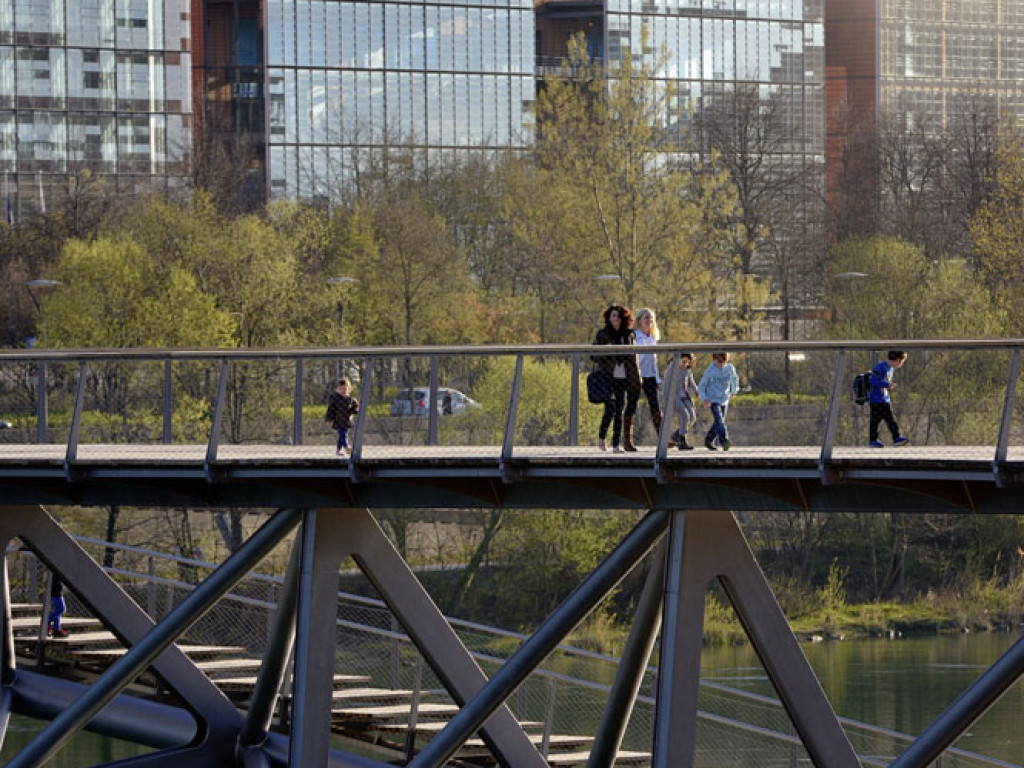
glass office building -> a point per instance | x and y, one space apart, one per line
103 84
924 61
709 50
938 57
344 77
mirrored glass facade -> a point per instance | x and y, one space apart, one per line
97 84
346 76
936 57
710 49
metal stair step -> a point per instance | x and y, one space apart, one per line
393 712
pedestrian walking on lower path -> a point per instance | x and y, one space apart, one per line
684 403
880 400
340 410
647 334
717 386
622 375
57 608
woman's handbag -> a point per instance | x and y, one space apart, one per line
599 386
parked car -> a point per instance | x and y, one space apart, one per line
6 424
413 402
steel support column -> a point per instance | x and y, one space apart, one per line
316 629
705 545
547 637
629 675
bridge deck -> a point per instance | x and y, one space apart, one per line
746 477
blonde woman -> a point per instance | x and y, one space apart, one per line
647 335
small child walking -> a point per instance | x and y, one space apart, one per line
57 608
687 411
718 384
340 410
880 402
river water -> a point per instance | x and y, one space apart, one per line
901 684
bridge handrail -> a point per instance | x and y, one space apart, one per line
36 355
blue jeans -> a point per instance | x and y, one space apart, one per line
342 438
718 429
57 608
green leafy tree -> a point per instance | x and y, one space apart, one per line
625 199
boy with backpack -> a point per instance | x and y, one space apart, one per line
879 401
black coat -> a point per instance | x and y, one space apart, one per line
340 410
607 364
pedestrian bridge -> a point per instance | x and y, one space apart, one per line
244 429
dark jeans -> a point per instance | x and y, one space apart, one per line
342 438
613 411
882 412
650 386
718 429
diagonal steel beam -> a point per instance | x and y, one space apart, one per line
629 675
705 545
111 604
49 741
547 637
432 635
275 659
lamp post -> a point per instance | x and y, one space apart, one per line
30 284
342 280
42 410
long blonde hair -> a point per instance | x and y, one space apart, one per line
647 312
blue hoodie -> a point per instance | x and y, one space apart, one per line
717 385
881 380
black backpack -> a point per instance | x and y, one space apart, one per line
861 387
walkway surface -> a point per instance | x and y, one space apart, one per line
746 477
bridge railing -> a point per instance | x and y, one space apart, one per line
502 399
738 728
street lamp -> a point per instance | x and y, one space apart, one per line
341 304
30 284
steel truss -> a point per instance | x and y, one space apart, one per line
208 731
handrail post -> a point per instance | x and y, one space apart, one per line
832 421
671 393
168 407
297 406
76 419
42 408
549 719
364 405
510 420
432 403
151 587
218 416
574 403
1006 422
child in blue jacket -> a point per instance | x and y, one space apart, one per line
719 383
878 398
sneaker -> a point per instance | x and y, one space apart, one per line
60 633
617 449
602 444
901 440
726 445
710 444
875 444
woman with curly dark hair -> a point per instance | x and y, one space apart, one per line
623 373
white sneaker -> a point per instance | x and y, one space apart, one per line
616 449
602 444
